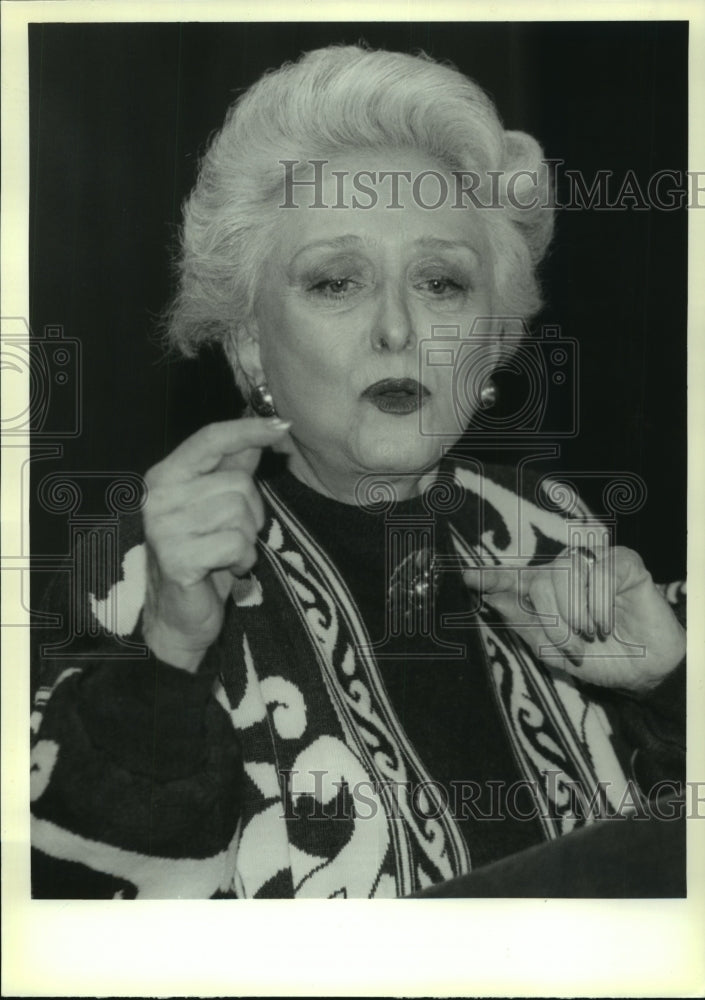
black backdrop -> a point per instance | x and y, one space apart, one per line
119 113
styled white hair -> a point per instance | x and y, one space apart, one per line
331 101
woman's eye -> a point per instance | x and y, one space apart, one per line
443 286
334 288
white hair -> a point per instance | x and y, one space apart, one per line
334 100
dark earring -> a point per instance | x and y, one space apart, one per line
261 400
489 394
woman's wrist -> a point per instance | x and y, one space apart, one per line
171 647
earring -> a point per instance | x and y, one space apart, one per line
489 393
261 400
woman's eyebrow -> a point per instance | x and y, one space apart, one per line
437 243
353 241
346 241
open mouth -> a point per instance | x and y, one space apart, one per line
397 395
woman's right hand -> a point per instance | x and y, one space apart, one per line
201 520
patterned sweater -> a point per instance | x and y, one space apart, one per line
283 768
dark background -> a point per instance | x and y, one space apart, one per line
121 112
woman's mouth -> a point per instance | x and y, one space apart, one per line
396 395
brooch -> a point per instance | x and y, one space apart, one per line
412 586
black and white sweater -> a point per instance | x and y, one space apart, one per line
316 753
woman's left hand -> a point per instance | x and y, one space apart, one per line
598 616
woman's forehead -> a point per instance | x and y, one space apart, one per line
376 197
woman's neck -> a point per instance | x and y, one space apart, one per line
357 487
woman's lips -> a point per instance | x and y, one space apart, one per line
396 395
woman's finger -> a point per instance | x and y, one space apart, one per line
601 592
197 557
228 511
225 485
231 443
543 592
570 580
213 514
498 589
166 500
584 625
490 581
506 591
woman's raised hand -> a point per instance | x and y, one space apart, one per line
599 616
201 520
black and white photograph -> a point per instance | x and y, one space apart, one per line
354 461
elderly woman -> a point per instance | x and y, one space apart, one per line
369 668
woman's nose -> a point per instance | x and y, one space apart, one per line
393 328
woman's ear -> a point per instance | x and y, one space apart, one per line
242 351
509 334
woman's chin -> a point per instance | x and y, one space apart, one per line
417 454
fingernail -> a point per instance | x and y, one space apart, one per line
277 424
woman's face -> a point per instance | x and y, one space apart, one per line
347 301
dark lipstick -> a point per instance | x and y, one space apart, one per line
396 395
